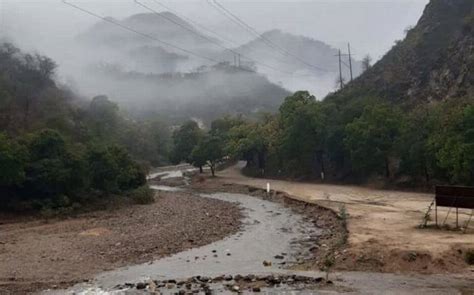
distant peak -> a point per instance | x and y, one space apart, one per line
273 32
151 17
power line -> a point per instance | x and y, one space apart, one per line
138 32
207 29
235 20
211 40
195 23
167 43
240 22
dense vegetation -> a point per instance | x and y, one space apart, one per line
407 120
60 151
311 139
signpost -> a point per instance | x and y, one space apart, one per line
453 197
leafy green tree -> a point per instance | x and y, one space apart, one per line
13 158
246 141
370 139
454 144
184 140
303 141
103 118
210 149
221 127
104 169
417 159
130 174
53 168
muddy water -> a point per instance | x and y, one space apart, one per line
167 188
269 229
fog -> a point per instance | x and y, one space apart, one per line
95 57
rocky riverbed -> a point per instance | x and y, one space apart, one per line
271 239
54 254
280 249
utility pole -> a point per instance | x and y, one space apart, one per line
340 70
238 59
350 58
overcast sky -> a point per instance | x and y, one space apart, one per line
370 26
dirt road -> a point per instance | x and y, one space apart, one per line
383 233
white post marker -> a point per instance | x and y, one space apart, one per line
268 187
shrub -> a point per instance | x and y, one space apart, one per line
343 214
12 162
143 195
469 256
113 170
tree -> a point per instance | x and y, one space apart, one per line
417 159
209 150
103 118
54 168
221 127
184 140
247 141
13 157
366 62
370 138
303 136
453 142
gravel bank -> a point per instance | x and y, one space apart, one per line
36 255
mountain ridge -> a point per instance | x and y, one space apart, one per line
432 63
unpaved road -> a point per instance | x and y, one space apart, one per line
383 233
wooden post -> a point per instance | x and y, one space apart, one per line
457 225
436 214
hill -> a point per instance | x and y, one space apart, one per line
315 69
164 26
204 94
433 63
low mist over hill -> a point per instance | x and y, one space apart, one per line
144 74
205 94
313 63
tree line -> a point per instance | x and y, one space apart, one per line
363 139
58 150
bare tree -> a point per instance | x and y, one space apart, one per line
366 62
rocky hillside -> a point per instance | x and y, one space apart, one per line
433 63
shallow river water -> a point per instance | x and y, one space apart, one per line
269 229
